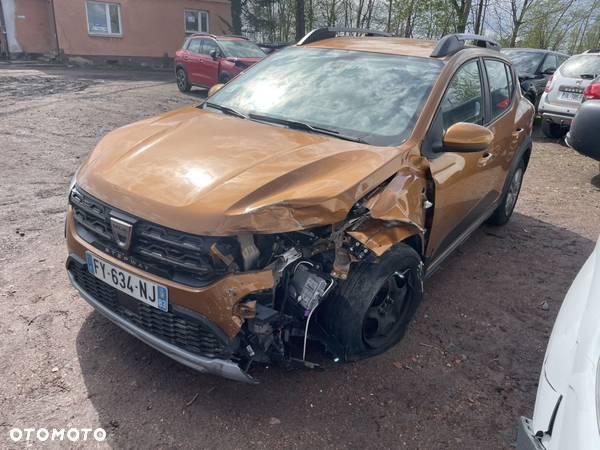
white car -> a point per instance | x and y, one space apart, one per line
567 407
565 91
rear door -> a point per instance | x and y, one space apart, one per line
502 109
465 183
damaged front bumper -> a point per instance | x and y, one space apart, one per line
220 367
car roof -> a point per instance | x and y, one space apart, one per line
388 45
218 38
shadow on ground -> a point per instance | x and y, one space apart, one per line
473 354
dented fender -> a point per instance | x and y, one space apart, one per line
396 212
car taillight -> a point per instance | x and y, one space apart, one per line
592 92
549 84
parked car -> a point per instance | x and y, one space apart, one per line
584 135
565 91
534 68
300 201
269 48
567 406
205 59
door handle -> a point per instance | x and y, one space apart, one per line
485 158
516 134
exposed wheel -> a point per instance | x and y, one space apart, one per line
224 78
182 80
553 130
502 214
375 304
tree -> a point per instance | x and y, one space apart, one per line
300 20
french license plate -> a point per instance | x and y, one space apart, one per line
146 291
571 96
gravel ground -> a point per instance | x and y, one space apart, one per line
466 370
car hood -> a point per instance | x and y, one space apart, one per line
208 173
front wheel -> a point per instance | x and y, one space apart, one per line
374 306
182 80
503 212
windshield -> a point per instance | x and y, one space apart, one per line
242 49
369 96
524 61
576 66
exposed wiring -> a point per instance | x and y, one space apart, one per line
310 315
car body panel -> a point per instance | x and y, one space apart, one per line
567 387
266 179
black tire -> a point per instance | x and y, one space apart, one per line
509 199
374 306
553 130
182 80
224 78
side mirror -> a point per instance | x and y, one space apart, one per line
216 88
549 71
214 54
465 137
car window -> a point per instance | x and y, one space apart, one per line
499 86
335 89
581 66
550 63
525 61
195 46
242 49
463 101
209 46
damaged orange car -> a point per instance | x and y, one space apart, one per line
305 201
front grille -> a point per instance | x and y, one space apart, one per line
171 254
185 333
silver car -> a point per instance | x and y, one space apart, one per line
564 92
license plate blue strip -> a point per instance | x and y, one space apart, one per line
90 263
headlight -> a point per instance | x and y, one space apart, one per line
73 180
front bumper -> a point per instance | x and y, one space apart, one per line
526 440
223 368
215 303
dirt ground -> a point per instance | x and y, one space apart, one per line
467 369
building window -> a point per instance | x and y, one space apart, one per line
104 19
196 21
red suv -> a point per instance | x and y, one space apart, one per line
205 59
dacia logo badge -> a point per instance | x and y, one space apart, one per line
122 232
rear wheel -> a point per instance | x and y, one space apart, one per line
553 130
182 80
375 304
502 214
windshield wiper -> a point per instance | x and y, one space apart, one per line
297 125
227 110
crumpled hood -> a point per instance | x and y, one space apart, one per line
208 173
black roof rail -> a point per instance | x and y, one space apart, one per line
319 34
453 43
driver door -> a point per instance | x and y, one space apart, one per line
464 182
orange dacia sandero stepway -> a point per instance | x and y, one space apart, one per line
306 200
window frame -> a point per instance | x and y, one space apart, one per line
198 13
107 15
511 96
430 140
